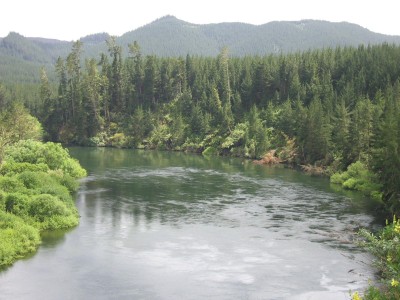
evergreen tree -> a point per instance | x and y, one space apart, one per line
49 116
317 133
73 67
117 104
341 122
138 73
92 99
150 83
386 162
361 132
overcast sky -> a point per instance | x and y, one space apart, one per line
72 19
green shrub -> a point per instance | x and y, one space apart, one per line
51 154
385 247
12 168
59 222
237 137
10 184
160 138
17 238
56 190
359 177
193 146
337 178
64 179
45 183
118 140
17 204
45 206
69 182
33 180
351 184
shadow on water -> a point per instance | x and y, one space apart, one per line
53 238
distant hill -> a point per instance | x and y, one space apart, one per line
169 36
21 57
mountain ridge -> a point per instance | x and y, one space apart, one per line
170 36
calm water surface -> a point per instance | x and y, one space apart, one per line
158 225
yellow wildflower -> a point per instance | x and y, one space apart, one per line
389 258
397 228
356 296
394 282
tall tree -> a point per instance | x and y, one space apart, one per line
74 76
317 133
223 65
341 121
115 76
62 90
386 154
50 116
138 73
92 99
361 132
150 82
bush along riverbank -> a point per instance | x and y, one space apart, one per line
37 184
384 245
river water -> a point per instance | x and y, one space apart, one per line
162 225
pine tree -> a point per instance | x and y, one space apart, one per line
317 133
117 104
386 154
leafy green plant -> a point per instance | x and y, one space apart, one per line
17 238
51 154
385 246
12 168
44 206
36 189
17 203
359 177
11 184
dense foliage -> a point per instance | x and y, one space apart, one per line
36 184
386 248
358 177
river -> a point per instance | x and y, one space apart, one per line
163 225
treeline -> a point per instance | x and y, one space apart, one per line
324 108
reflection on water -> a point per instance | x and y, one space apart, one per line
158 225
